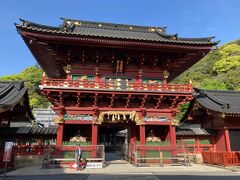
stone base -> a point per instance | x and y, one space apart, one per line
199 159
28 160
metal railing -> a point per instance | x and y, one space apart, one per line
140 155
193 148
66 154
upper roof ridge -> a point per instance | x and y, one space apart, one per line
111 25
27 23
113 30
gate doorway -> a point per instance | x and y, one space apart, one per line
115 138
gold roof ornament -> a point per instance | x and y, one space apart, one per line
77 23
190 81
67 68
223 115
116 116
58 120
152 29
175 122
166 74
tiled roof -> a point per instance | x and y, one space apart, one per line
193 130
220 101
11 95
37 130
11 92
27 131
44 116
116 31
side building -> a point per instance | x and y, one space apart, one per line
14 104
16 125
217 114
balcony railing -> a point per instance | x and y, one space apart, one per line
115 85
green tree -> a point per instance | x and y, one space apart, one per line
213 84
181 112
219 69
225 64
32 77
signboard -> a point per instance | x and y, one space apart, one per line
94 165
7 152
157 118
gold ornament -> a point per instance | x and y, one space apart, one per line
58 120
116 116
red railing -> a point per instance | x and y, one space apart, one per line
24 150
100 84
92 151
222 158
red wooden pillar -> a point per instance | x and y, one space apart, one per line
133 134
142 141
94 140
94 134
168 135
227 140
197 150
214 143
172 136
59 134
173 139
221 141
142 135
164 83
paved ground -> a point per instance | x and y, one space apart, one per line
125 172
123 177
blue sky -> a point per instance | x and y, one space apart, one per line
189 18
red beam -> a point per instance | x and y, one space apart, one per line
85 109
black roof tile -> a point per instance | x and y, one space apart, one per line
193 130
112 30
54 131
23 130
12 93
220 101
36 130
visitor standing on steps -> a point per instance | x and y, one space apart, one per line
78 157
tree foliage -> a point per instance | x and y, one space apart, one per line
181 112
32 77
225 64
219 69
